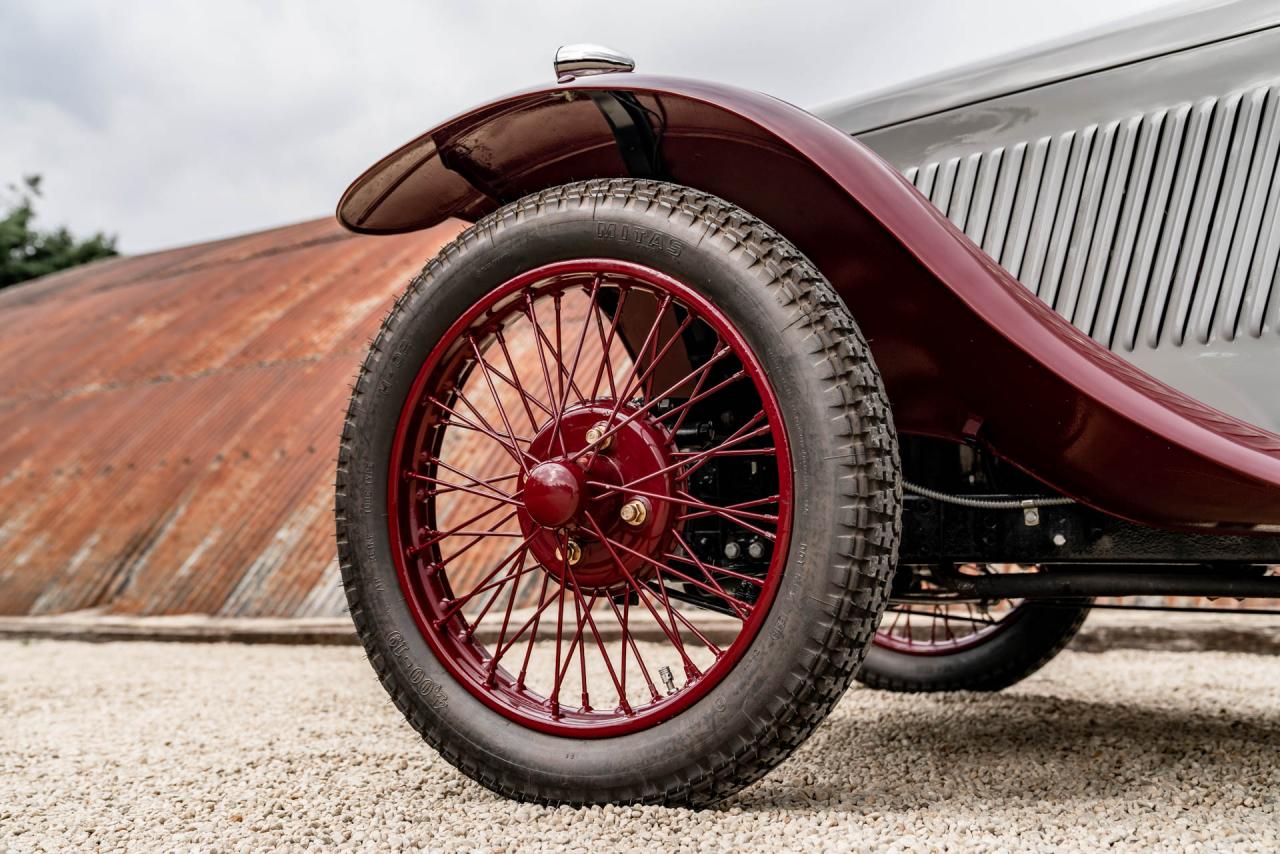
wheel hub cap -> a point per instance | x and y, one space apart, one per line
553 493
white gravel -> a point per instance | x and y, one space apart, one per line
178 747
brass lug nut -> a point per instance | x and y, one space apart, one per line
574 550
596 433
634 512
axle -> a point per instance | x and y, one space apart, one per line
1124 580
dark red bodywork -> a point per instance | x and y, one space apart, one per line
967 353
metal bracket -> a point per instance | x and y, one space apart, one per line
637 143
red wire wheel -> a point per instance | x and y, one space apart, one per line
943 628
549 493
929 642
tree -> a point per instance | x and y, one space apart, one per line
26 253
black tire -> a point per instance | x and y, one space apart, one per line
1035 634
847 501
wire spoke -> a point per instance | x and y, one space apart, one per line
456 605
606 345
701 458
742 608
560 368
582 339
474 623
439 536
538 338
525 397
707 572
629 639
555 691
497 401
741 505
413 475
604 653
458 422
517 453
957 617
697 387
750 579
533 636
671 633
642 382
594 448
715 650
502 633
489 481
735 516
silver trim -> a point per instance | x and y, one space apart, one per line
580 60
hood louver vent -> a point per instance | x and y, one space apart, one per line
1154 230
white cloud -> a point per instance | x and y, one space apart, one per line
181 121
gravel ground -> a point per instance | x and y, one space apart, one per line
177 747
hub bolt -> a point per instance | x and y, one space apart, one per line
634 512
596 433
574 550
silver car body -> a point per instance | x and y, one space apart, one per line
1129 178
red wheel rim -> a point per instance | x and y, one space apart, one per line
940 627
545 456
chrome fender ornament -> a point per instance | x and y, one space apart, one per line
580 60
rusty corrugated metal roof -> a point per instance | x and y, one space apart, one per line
168 422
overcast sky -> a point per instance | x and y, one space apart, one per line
175 122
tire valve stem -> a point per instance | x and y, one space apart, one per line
667 678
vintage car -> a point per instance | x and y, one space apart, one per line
716 406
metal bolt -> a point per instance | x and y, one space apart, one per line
574 550
596 434
756 549
732 550
1059 540
634 512
1030 517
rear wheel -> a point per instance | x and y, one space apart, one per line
930 643
617 498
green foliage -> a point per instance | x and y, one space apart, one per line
26 253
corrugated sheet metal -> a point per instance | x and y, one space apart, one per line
168 423
1155 229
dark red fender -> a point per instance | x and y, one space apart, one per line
965 350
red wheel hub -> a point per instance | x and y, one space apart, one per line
572 488
543 505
